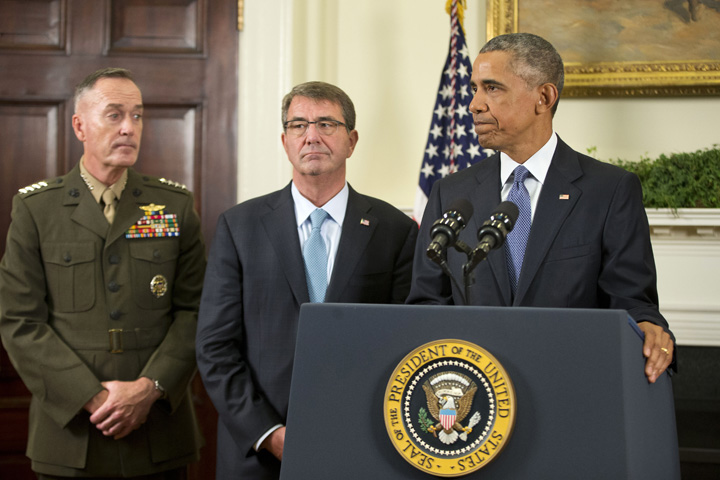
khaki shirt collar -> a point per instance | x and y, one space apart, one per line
97 188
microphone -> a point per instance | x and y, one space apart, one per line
445 230
494 231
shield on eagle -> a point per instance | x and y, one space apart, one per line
447 418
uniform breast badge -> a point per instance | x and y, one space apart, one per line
155 223
158 286
449 408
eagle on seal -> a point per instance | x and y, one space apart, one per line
449 400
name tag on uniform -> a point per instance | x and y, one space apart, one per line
155 223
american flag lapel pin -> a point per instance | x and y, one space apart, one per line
365 221
564 196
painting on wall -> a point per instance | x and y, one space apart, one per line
612 48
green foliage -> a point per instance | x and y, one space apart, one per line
680 180
423 420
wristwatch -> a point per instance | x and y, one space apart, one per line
159 388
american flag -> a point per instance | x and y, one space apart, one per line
452 143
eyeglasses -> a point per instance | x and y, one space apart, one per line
298 128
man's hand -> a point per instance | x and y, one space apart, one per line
275 443
125 408
96 402
658 349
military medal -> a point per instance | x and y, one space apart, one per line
158 286
155 223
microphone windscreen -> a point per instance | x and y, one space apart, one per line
509 209
463 207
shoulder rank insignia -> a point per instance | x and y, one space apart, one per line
172 184
33 187
155 223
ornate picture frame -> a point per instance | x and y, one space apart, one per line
655 74
241 15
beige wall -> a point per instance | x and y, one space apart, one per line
388 56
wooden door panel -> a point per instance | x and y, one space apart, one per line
31 143
179 158
172 26
15 431
183 54
14 405
36 25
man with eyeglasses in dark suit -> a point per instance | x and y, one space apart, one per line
263 265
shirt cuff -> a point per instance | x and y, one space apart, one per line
267 434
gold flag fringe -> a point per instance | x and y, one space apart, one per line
462 5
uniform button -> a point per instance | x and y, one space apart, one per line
115 314
113 286
156 254
114 259
67 257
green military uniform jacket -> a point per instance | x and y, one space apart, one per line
81 304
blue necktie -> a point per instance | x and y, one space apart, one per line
518 237
315 256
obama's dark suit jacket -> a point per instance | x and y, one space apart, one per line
254 286
589 245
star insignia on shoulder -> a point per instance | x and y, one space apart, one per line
172 184
33 187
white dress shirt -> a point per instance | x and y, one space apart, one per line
537 165
331 229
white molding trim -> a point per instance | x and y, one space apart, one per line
684 222
686 243
684 216
694 325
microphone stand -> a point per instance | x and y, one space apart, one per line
460 246
475 256
491 235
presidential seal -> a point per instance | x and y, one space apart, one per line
449 408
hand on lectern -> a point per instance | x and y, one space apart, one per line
275 443
658 349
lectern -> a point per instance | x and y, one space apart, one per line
584 409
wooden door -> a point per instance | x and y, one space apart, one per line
183 54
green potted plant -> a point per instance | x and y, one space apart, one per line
679 180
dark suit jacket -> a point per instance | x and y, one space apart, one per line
590 249
66 279
254 286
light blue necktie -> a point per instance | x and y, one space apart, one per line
518 237
315 256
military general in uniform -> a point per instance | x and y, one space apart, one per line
99 292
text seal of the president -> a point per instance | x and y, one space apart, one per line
449 408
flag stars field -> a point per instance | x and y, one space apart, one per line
452 143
